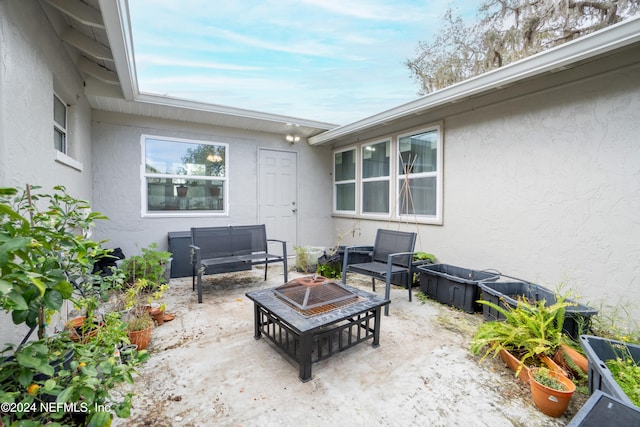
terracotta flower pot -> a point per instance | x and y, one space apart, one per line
214 191
550 401
182 191
78 332
513 363
578 360
158 315
141 338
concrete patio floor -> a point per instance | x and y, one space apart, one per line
207 369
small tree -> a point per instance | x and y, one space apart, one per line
43 243
506 31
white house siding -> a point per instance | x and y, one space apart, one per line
546 188
117 184
34 62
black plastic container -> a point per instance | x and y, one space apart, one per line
604 410
455 286
598 350
577 317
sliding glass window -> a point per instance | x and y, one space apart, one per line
344 181
375 177
184 176
419 174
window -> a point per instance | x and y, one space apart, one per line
419 174
59 124
344 175
375 178
370 182
184 176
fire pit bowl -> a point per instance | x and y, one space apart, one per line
314 292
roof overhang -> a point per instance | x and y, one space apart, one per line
560 59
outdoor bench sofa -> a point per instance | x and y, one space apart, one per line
231 248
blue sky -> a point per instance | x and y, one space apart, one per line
335 61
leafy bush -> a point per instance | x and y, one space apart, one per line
150 265
531 329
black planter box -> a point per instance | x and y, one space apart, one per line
604 410
577 317
598 350
455 286
356 256
179 242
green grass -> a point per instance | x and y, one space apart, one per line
626 372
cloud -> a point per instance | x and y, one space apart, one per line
326 60
366 9
149 60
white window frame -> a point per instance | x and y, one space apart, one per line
437 174
396 178
61 128
364 180
182 213
353 181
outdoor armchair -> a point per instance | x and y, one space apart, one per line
392 256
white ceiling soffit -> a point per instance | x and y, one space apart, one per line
115 14
556 59
80 25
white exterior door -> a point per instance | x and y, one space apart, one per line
277 194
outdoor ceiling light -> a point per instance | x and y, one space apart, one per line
292 138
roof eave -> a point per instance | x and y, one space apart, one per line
115 15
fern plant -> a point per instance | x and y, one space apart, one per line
528 330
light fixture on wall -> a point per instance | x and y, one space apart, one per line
292 139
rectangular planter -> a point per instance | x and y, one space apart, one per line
598 350
505 294
356 256
455 286
179 242
604 410
401 278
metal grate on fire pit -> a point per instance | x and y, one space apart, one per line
314 295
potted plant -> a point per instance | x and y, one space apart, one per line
529 332
85 326
551 391
152 265
138 300
307 258
139 330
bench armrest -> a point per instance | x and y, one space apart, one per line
196 255
284 246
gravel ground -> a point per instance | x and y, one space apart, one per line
207 369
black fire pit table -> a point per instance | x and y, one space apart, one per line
295 318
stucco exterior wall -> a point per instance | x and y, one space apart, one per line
117 183
545 188
34 63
